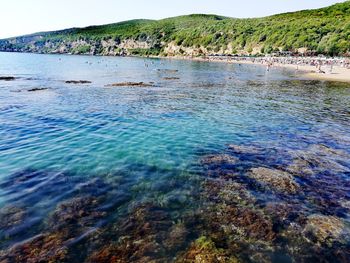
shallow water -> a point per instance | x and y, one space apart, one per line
120 158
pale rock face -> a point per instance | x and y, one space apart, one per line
113 47
172 49
302 50
256 50
62 49
131 44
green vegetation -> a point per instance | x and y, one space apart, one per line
81 49
321 31
144 52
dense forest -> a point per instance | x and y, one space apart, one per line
321 31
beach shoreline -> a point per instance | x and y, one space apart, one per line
325 72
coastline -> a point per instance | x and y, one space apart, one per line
329 73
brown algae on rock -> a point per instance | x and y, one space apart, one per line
204 250
70 221
318 159
274 179
42 248
219 159
326 229
11 216
232 221
244 149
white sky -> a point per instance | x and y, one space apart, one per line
18 17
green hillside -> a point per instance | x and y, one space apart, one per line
322 31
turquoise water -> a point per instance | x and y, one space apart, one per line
133 146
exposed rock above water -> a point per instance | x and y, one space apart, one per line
78 82
171 78
131 84
37 89
7 78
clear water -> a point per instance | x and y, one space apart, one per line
138 145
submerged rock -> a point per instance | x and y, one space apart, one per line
177 236
42 248
318 159
239 224
324 150
219 159
325 229
301 168
284 213
204 250
140 237
72 220
274 179
317 238
257 228
80 210
228 192
243 149
323 171
220 166
29 186
11 216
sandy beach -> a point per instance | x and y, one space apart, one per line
332 71
337 73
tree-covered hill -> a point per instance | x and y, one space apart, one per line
321 31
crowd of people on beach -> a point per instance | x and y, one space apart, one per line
320 63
